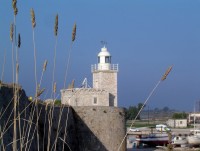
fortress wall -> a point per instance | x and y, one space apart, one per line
88 128
85 97
28 111
100 128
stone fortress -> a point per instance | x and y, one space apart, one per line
89 116
96 107
104 91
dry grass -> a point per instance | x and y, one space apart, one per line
74 32
25 121
69 55
54 63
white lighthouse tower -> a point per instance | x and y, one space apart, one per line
104 90
105 75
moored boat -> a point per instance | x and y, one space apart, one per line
195 138
152 139
179 140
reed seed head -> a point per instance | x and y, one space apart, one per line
71 86
74 32
166 73
15 11
14 5
54 87
45 65
11 31
33 18
40 92
56 26
19 40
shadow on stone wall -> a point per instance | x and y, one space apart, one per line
27 111
62 119
6 115
100 127
86 138
87 128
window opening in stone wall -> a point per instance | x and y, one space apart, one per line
98 59
95 100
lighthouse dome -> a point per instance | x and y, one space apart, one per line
104 59
104 52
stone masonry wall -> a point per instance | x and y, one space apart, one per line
28 128
87 128
100 128
85 97
106 80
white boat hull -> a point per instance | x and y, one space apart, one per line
178 140
154 140
194 140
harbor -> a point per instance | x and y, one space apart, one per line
132 144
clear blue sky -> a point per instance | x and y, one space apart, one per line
144 38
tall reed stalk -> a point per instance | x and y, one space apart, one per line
17 88
34 49
27 133
14 4
66 72
58 127
11 38
1 140
51 110
54 64
45 119
3 66
69 55
50 117
35 67
145 102
43 70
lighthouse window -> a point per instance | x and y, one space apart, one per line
98 59
107 59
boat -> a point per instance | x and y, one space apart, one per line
153 139
195 138
179 141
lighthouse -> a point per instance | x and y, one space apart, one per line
104 89
105 75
